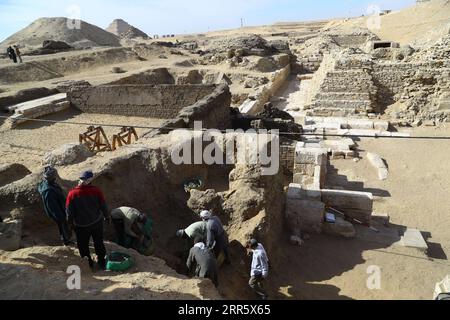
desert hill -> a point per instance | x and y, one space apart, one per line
59 29
124 30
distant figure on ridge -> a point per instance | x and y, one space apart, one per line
18 53
11 54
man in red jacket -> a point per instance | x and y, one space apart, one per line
86 209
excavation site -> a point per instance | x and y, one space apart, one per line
302 160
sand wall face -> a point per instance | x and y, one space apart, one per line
160 101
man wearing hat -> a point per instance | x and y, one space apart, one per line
54 200
216 236
259 269
86 209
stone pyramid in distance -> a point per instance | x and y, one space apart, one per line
124 30
61 29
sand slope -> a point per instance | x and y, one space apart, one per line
422 24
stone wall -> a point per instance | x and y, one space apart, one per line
350 83
265 93
213 110
153 101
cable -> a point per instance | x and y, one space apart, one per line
324 135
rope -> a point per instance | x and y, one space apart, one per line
324 135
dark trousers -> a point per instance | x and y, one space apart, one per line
222 246
64 230
84 235
256 283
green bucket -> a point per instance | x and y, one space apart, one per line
118 261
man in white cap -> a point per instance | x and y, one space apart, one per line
216 236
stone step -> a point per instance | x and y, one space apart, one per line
24 107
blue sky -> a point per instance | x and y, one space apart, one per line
184 16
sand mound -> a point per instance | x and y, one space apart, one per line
58 29
124 30
421 24
40 273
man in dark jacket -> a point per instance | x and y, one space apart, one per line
216 236
86 209
204 261
12 54
54 200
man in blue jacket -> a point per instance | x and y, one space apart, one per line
54 202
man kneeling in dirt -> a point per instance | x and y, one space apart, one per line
259 269
133 229
86 209
54 202
195 232
204 261
216 236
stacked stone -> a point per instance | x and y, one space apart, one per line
344 87
304 209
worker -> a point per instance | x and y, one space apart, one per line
204 261
216 236
259 269
133 229
54 200
18 53
11 54
196 231
86 210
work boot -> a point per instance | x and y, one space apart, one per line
89 261
102 263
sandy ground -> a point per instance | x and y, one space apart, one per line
416 195
29 142
419 24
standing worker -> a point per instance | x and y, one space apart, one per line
86 210
204 261
216 236
54 201
133 229
12 54
196 232
18 53
259 269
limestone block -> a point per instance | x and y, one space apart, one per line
316 156
10 235
304 169
357 205
413 239
305 215
381 125
340 228
378 164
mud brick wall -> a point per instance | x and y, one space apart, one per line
153 101
213 111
